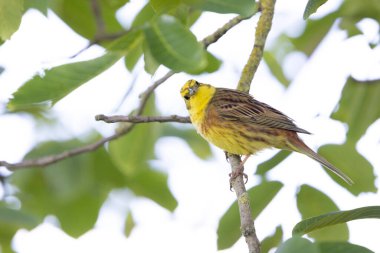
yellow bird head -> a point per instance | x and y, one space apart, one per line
188 90
194 92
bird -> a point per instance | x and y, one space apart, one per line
239 124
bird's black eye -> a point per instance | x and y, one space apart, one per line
187 97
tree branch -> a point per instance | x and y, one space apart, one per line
142 119
212 38
262 30
47 160
50 159
247 225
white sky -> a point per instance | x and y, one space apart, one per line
317 87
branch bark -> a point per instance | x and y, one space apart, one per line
262 30
142 119
47 160
247 225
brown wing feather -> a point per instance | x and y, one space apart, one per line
236 105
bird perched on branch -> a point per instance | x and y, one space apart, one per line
239 124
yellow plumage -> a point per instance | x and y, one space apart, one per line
237 123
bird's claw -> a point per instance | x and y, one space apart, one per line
227 157
237 173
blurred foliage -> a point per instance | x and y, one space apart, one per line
10 17
229 225
129 224
58 82
298 244
272 241
75 189
311 202
312 6
333 218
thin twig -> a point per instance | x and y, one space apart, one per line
145 95
127 93
212 38
262 30
142 119
50 159
101 38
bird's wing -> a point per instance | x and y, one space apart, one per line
239 106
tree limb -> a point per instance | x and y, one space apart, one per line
247 225
142 119
212 38
47 160
50 159
262 30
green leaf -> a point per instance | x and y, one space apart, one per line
133 57
359 106
153 185
312 202
341 247
151 64
132 152
298 244
315 31
10 17
347 158
79 16
40 5
146 14
213 63
312 7
174 45
199 146
16 219
127 43
11 220
229 225
264 167
58 82
272 241
73 190
161 6
129 224
245 8
130 45
352 12
334 218
186 14
275 68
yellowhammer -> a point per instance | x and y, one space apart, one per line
237 123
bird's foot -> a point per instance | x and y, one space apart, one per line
238 172
227 157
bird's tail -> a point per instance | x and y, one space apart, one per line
299 146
